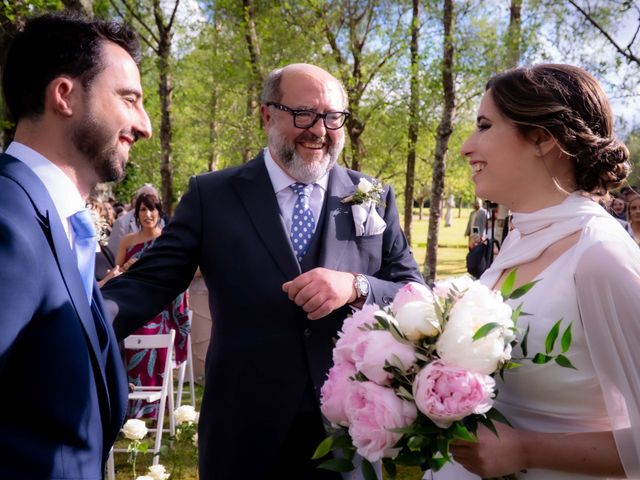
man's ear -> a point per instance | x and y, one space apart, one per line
59 95
543 142
265 113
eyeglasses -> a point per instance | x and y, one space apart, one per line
308 118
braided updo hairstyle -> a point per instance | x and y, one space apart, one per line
570 105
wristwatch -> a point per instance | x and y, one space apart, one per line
361 284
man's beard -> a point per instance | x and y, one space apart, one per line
92 140
295 165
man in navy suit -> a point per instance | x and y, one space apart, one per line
278 294
73 88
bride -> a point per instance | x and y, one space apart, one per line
544 147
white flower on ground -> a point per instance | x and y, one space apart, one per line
185 414
135 429
158 472
478 306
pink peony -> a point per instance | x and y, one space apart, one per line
351 331
373 410
446 394
334 392
411 292
373 348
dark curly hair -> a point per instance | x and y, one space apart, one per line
56 44
570 105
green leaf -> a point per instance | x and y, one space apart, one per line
484 330
368 471
507 286
489 424
520 291
390 468
494 414
323 448
515 314
564 362
541 358
565 342
461 432
416 442
436 463
523 342
443 446
552 336
337 465
343 441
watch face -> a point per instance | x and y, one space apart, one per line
362 285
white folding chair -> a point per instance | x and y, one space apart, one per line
186 368
162 394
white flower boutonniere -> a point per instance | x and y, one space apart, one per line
363 201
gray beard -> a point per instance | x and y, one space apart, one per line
294 164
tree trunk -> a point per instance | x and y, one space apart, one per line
165 90
514 34
442 144
413 124
83 6
257 78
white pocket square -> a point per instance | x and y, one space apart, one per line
367 220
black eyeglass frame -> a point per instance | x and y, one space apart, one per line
295 113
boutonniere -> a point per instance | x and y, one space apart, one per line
363 201
366 191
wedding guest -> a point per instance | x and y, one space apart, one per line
276 308
126 223
147 367
73 88
545 148
476 225
633 215
618 208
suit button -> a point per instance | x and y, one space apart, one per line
387 300
307 332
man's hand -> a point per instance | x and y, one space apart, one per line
321 291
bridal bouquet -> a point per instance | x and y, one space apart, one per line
409 379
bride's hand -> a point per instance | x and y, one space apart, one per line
492 456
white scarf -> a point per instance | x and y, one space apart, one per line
534 232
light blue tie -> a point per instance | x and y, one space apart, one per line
86 242
302 221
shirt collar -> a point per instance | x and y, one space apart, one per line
281 179
65 195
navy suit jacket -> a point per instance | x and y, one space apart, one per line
63 384
263 350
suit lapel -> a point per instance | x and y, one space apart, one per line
338 230
65 258
255 190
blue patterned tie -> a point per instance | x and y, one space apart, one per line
86 242
302 221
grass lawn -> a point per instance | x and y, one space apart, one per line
452 250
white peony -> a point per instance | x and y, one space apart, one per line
364 185
452 285
144 477
418 319
135 429
185 414
158 472
478 306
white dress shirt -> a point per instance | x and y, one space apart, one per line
287 197
64 194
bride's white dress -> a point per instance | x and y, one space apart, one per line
595 286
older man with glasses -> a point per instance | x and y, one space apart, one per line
284 264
